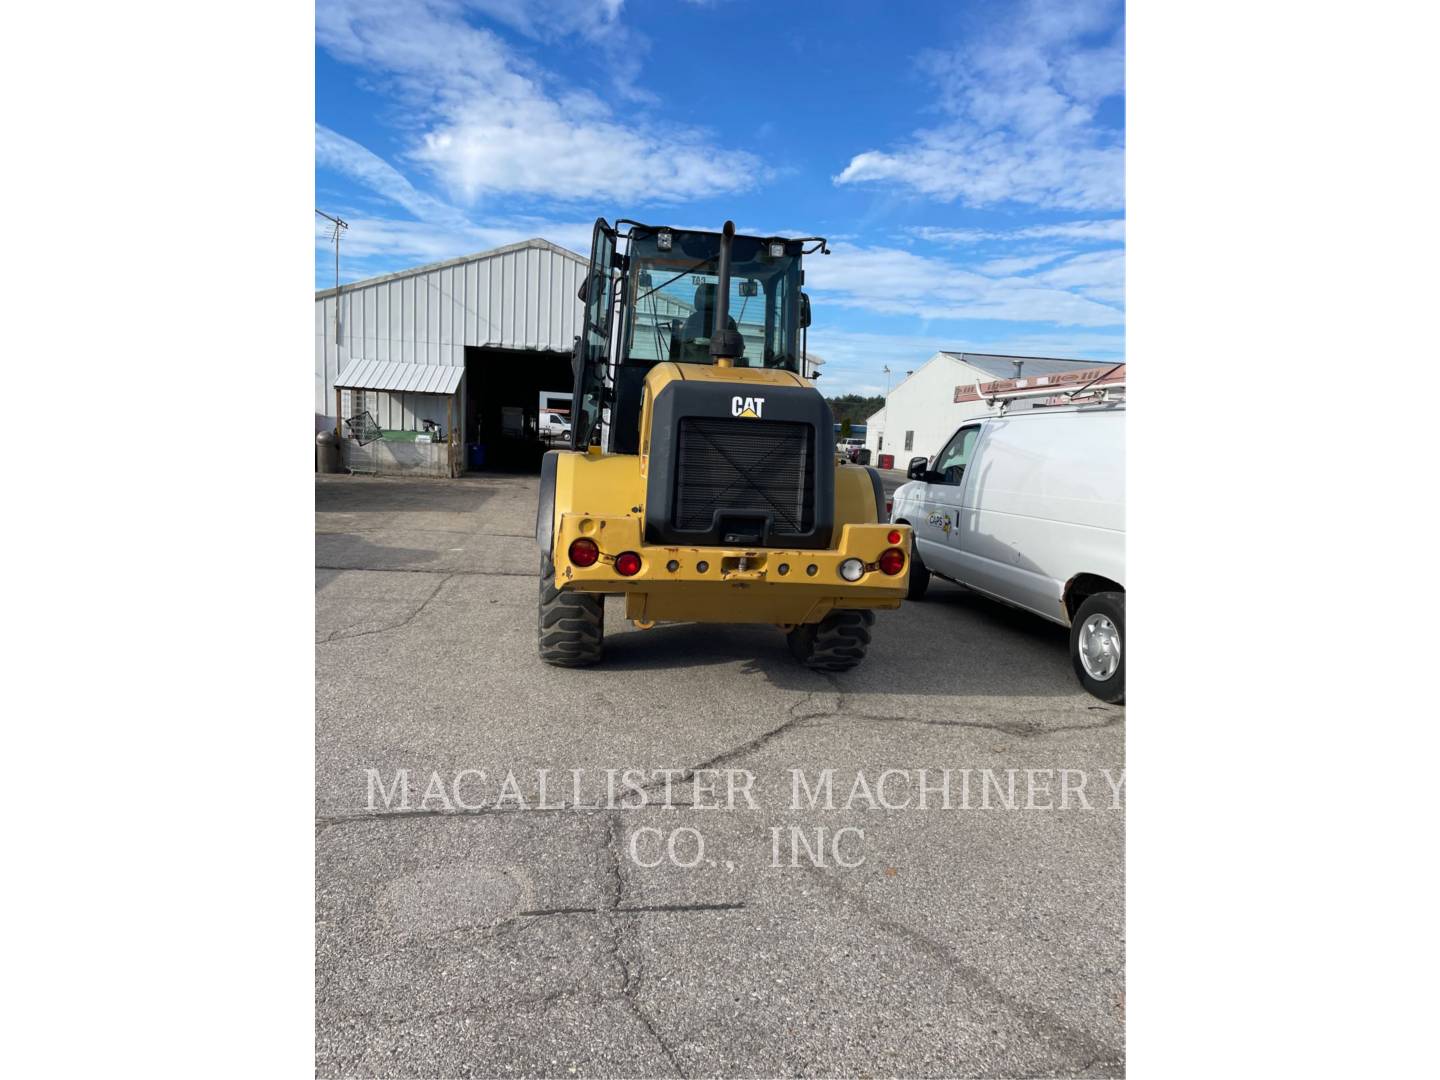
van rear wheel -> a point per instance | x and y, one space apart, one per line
572 624
836 643
1097 636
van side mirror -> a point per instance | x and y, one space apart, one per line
917 468
804 310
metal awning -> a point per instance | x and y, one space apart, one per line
400 378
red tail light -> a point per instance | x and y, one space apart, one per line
894 536
583 552
892 561
627 564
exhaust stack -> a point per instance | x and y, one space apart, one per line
726 345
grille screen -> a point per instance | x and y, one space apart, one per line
745 467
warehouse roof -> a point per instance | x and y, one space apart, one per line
400 378
536 243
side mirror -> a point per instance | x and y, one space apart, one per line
804 310
584 291
917 468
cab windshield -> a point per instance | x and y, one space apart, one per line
670 298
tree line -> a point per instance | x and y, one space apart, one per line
852 409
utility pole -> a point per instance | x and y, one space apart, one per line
339 227
886 424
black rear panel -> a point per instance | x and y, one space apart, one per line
719 474
745 468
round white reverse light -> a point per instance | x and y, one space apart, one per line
852 569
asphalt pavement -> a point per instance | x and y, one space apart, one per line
510 918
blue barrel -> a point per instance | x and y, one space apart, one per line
476 459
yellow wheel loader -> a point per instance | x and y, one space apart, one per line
702 482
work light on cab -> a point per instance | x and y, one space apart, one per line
583 552
892 561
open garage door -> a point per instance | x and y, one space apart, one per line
503 391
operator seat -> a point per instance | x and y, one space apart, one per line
691 345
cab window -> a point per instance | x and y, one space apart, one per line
956 455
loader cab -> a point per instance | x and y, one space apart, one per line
652 294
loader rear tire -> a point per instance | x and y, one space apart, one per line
572 624
919 573
836 643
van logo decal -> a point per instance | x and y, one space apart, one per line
940 521
752 407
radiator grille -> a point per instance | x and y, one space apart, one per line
745 467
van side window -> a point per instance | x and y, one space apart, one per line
952 460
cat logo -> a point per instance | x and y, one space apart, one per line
747 406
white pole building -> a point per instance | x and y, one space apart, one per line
921 413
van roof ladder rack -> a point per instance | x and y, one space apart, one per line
1083 395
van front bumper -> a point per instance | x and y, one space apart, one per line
731 585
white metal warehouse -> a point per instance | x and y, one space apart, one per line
500 322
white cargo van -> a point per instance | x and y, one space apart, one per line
1028 507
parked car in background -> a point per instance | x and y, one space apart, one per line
1028 507
849 449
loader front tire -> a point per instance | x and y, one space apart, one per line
572 624
836 643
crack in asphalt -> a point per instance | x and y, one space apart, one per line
1018 729
1043 1022
748 747
630 974
636 909
337 635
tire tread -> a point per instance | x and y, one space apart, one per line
571 624
837 642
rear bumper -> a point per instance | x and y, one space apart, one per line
736 585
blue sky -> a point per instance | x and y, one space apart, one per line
966 159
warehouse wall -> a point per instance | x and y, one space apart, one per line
923 403
522 296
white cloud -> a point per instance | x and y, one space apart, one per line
1100 275
376 244
491 122
894 282
1111 230
1021 107
1018 264
335 151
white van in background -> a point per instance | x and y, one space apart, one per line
1028 507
